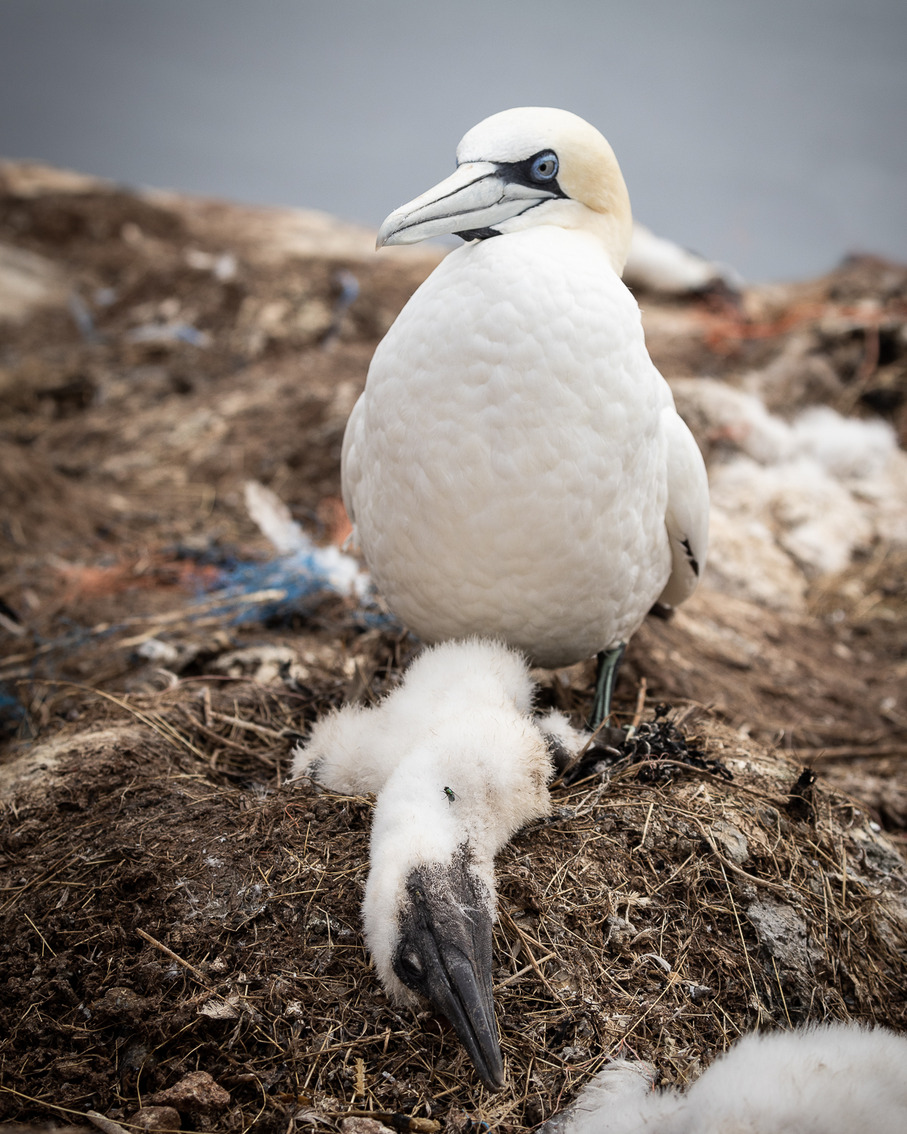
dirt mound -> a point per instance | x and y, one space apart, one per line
180 928
170 909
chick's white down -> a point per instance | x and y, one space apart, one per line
826 1079
456 759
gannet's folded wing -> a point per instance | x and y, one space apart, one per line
350 470
687 512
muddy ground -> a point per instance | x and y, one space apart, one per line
170 908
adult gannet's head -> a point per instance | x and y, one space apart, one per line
520 168
459 765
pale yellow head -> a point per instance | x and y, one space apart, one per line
528 166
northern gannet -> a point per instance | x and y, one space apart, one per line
515 466
830 1079
458 764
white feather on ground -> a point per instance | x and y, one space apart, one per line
330 566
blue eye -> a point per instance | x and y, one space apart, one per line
544 167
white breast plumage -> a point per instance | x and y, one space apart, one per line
515 466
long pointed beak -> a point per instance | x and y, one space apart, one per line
444 954
477 196
460 988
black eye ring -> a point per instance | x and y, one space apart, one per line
544 167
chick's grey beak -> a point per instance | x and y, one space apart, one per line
444 954
477 196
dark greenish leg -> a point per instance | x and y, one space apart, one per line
605 680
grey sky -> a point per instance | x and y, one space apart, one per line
767 134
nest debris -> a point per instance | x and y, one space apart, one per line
171 905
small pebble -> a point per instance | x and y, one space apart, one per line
156 1118
195 1091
